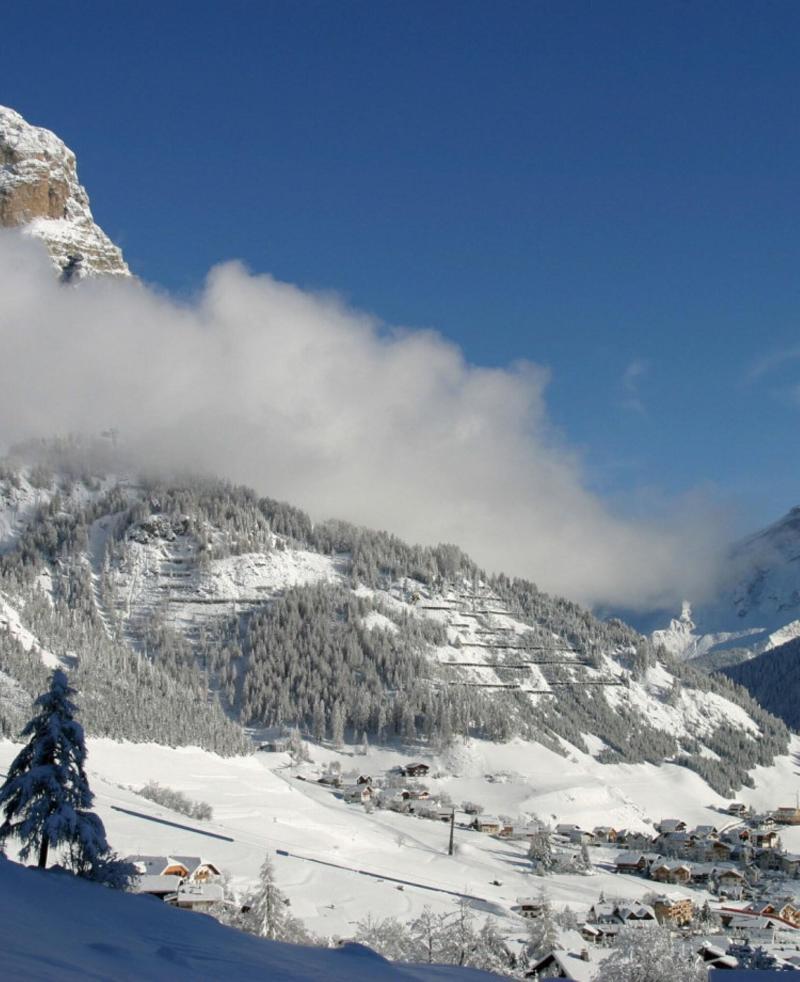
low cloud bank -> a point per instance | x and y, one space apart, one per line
308 400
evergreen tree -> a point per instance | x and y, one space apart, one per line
540 851
543 930
46 798
268 915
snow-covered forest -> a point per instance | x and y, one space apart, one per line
190 607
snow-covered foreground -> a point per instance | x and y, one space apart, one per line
260 805
54 926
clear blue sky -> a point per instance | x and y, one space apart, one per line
610 189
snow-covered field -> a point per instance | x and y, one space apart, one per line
260 805
54 926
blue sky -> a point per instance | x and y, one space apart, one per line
607 189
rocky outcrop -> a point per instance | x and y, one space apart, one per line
41 194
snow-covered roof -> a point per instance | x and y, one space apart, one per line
155 865
199 893
154 883
190 862
569 959
637 912
670 825
629 858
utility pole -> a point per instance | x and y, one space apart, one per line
452 831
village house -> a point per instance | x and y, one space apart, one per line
161 876
633 840
580 837
731 882
604 833
787 815
197 896
667 825
737 808
674 843
573 961
415 794
183 867
767 859
783 908
556 965
636 915
765 838
630 862
529 907
671 908
159 866
566 829
718 850
433 811
714 957
602 912
739 833
753 929
790 863
702 872
359 794
487 823
154 885
415 770
601 934
671 871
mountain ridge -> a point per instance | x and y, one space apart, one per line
335 628
40 194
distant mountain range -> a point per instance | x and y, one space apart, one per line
757 609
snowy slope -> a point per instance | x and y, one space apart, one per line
261 806
53 925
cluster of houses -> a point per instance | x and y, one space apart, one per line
182 881
732 860
394 793
767 924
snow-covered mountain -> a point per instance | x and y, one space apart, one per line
40 193
154 592
758 607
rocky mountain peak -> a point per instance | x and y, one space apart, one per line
40 193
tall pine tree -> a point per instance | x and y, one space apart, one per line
46 800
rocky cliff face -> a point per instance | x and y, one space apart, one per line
41 194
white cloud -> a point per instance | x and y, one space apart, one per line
313 402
